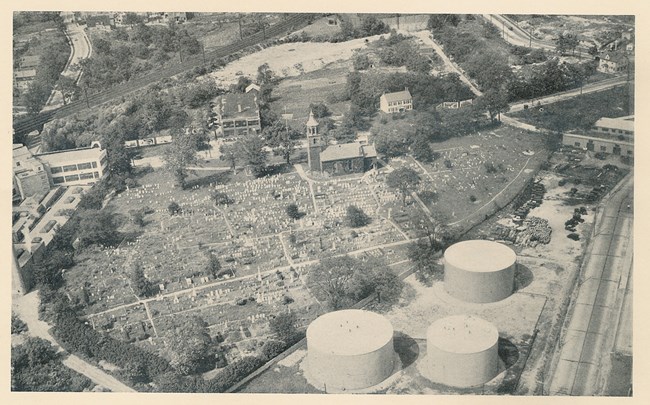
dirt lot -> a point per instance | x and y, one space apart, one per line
290 59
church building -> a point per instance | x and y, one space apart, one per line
339 159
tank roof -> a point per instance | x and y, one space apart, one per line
481 256
462 334
349 332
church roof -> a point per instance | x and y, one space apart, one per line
311 122
344 151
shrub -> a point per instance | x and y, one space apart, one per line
174 208
472 198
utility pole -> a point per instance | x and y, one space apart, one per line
397 16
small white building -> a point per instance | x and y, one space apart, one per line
75 166
396 102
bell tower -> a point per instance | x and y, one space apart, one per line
314 145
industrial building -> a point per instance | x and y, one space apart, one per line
349 350
479 271
608 135
462 351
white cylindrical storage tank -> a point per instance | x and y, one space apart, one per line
350 349
462 351
480 271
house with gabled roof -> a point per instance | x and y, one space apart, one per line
396 102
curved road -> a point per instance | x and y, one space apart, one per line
26 307
80 49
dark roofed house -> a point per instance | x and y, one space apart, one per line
237 114
612 62
100 21
348 158
396 102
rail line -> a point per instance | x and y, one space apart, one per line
34 123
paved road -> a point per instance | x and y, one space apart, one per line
80 49
589 88
26 307
591 327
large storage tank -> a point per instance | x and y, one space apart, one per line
462 351
350 349
479 271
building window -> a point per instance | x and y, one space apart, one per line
70 168
55 170
94 164
96 175
603 148
85 176
84 166
58 180
73 177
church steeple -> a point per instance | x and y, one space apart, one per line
313 143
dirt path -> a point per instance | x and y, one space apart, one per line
451 66
26 307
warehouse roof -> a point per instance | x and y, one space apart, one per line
616 123
237 105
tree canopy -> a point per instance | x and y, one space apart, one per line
342 281
405 180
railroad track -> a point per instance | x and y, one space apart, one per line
95 99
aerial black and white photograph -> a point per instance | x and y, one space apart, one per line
291 202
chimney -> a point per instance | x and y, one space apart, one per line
239 107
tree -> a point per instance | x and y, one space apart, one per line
356 217
191 346
370 25
141 285
440 21
214 265
174 209
320 110
282 139
242 83
181 153
35 97
420 148
229 154
405 180
495 101
250 149
593 50
221 198
98 228
293 212
489 69
265 75
137 216
566 42
284 326
360 62
342 281
433 237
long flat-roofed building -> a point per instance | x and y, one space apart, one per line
608 135
75 166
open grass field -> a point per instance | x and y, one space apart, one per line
580 113
294 94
